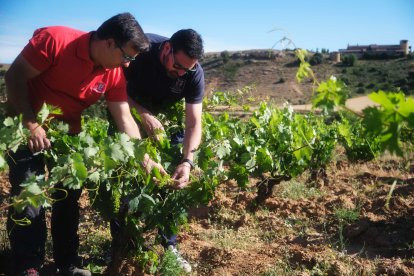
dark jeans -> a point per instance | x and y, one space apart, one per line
167 238
28 242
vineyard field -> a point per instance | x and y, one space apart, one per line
328 191
295 232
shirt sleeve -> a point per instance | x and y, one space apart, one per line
196 92
41 50
117 91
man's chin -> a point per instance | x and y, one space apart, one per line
172 75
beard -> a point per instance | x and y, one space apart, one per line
172 74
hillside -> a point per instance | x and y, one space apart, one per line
272 74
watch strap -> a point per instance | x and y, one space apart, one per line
186 160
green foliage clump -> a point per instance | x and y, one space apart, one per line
225 56
316 59
349 60
169 265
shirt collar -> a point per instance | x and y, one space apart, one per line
83 49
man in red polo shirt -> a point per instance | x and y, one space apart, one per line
69 69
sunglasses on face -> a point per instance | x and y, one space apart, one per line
179 66
125 56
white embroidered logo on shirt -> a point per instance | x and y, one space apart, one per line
99 87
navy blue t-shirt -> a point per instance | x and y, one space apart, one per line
149 85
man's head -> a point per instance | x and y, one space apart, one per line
122 33
181 52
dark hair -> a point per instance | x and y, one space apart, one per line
188 41
122 28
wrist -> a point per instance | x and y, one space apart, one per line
189 162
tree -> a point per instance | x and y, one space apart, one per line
349 60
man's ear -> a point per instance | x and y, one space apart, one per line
110 42
167 46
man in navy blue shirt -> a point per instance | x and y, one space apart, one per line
158 79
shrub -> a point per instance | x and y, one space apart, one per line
349 60
225 55
360 90
316 59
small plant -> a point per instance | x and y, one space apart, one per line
297 190
345 217
169 265
225 56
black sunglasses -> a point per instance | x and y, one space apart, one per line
126 57
179 66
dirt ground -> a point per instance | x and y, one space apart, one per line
303 235
298 231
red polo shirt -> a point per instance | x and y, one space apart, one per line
69 79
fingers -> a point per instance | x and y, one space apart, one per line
181 176
148 164
37 144
38 140
162 170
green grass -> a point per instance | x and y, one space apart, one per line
296 190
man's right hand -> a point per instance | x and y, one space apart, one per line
38 140
149 164
151 125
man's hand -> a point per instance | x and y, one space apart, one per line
181 175
149 164
38 140
151 125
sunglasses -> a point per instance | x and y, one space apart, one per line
125 56
179 66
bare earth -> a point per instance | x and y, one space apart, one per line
295 232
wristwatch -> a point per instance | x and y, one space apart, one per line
186 160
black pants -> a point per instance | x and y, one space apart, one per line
28 241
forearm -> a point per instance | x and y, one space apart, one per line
123 119
192 139
142 111
130 128
18 98
149 122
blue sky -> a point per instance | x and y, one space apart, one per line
225 24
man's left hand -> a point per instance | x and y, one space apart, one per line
181 175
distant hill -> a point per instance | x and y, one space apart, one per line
272 73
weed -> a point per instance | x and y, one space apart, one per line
169 265
295 190
345 216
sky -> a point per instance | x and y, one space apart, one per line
224 25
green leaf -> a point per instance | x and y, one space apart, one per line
43 113
133 204
115 152
126 144
149 198
34 189
223 149
264 160
240 174
381 98
2 162
90 151
8 122
94 177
